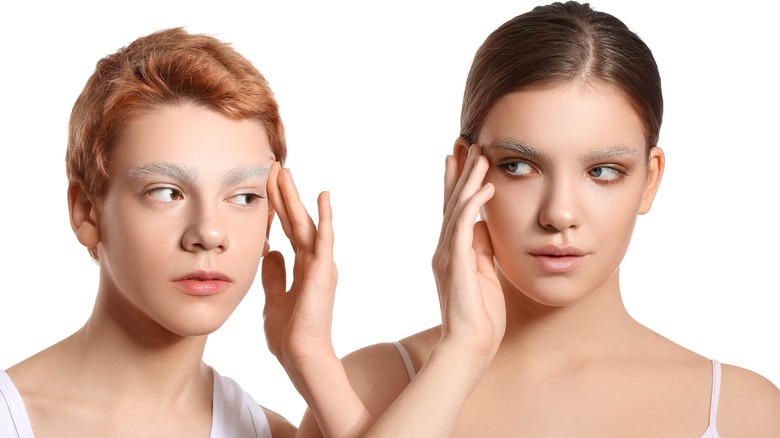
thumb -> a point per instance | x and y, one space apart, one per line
274 276
483 247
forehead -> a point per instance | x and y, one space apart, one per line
572 117
192 136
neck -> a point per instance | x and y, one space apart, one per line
127 353
593 325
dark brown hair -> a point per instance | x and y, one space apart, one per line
557 44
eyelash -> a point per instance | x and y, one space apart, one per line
507 163
175 193
618 178
254 197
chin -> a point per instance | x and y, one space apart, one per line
196 323
195 328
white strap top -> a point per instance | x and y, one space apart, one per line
234 412
710 432
14 422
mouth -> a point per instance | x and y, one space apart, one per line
557 259
203 283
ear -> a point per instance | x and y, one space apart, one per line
83 216
266 245
655 171
461 151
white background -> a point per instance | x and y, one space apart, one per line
370 95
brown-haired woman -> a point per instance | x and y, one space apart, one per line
558 154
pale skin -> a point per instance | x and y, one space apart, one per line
539 343
185 214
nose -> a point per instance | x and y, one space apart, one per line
205 231
559 210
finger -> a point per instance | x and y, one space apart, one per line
463 197
483 247
303 231
324 246
274 277
461 180
450 179
453 185
463 229
277 200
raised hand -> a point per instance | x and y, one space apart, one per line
472 308
298 320
470 296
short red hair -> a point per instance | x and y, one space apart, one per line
167 67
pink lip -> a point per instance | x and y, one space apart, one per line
203 283
558 260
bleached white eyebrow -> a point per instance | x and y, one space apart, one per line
609 153
238 175
189 176
519 147
170 170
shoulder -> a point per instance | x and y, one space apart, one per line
13 416
378 374
280 427
749 404
236 413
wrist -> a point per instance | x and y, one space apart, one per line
469 358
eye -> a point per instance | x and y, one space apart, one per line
165 194
519 168
604 173
245 199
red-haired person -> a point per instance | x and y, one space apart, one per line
175 146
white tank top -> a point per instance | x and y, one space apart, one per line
234 412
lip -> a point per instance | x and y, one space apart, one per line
558 259
203 283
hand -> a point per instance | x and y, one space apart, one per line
298 321
470 296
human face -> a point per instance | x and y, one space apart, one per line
184 218
571 173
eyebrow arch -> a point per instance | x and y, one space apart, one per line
519 147
170 170
609 153
240 174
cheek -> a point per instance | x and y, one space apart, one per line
614 209
247 235
510 216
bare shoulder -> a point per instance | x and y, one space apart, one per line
378 373
749 404
280 427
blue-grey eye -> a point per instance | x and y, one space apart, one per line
604 173
517 168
